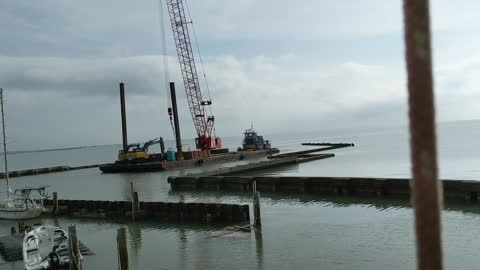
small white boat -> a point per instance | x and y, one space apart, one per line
45 246
18 204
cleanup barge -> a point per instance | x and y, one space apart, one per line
136 158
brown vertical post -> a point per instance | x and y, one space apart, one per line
176 122
124 117
122 249
55 202
427 189
74 249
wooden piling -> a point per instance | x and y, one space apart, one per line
133 203
122 249
55 203
136 203
256 206
74 249
21 227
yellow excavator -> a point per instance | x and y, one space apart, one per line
135 152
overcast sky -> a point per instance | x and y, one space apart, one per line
285 65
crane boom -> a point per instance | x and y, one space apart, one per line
204 124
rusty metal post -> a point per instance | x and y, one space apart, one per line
426 188
124 117
178 139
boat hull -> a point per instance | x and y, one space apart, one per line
19 213
41 247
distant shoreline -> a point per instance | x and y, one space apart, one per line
50 150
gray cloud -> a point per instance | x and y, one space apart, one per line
83 77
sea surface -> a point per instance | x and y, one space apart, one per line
298 231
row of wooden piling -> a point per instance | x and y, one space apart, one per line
137 207
197 212
467 190
122 248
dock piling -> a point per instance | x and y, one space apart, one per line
133 201
55 203
21 227
122 249
256 206
74 249
136 203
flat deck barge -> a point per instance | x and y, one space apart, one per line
119 167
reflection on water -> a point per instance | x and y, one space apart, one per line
259 247
297 232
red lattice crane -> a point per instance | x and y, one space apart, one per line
204 123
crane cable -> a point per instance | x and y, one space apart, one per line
165 62
200 57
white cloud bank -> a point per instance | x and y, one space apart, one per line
64 99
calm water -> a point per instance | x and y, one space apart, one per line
304 232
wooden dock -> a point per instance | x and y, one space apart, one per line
467 190
327 146
262 165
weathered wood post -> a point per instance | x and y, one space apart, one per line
21 227
133 203
136 203
257 222
74 249
122 249
55 203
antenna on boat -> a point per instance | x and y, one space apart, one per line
4 145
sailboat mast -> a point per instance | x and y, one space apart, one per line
4 143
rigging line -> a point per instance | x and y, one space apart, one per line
199 55
165 62
164 52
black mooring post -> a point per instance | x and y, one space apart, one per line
124 117
175 121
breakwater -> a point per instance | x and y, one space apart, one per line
467 190
177 211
